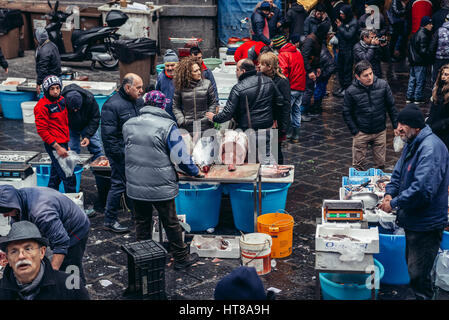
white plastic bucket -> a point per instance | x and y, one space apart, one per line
255 250
222 53
28 111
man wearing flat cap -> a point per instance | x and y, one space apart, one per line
29 274
418 193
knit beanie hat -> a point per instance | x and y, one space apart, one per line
74 100
170 56
425 21
155 98
412 116
320 7
242 283
279 41
48 82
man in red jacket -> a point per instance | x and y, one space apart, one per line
242 51
292 65
52 125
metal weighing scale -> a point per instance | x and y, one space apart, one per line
343 210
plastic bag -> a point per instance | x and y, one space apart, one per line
398 144
68 163
351 251
441 270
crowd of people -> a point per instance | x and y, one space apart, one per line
282 77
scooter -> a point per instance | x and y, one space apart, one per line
95 44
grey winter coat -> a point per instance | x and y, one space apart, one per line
192 103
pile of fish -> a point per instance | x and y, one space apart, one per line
13 158
275 171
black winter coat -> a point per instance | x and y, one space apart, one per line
115 112
439 17
52 286
257 26
327 64
48 61
263 99
273 21
282 115
365 108
311 24
419 51
311 51
347 35
439 120
373 54
296 17
88 116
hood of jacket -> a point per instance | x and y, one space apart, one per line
297 8
347 10
10 197
288 48
41 35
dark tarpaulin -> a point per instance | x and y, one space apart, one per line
135 49
9 19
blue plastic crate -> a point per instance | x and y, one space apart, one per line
43 177
353 180
356 173
379 172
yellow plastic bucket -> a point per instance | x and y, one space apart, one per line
280 227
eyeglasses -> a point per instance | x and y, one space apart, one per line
27 251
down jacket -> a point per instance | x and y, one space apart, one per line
373 54
295 18
257 26
56 216
262 98
347 33
439 46
419 51
88 116
115 112
365 108
192 103
292 65
419 184
48 60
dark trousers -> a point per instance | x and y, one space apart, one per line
398 39
421 249
143 212
118 187
74 257
344 68
57 174
308 94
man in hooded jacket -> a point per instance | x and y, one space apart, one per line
295 18
48 60
259 23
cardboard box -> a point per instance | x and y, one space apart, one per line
10 43
329 238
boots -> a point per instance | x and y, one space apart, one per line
316 108
295 135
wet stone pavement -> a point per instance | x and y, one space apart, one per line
321 158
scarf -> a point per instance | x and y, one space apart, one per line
266 31
29 291
168 76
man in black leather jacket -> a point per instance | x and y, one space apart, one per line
115 112
259 93
420 58
366 104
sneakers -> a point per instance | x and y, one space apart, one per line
186 262
305 118
295 136
419 102
90 213
115 227
409 100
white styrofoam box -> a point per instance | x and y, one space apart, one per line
4 225
78 198
4 86
155 237
30 181
223 83
96 88
231 252
326 240
345 224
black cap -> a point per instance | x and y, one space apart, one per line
412 116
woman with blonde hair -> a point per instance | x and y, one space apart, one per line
438 119
193 97
269 66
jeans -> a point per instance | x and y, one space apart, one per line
416 83
57 174
118 187
421 249
74 257
320 89
95 146
143 211
296 101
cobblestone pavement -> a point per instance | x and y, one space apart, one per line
321 158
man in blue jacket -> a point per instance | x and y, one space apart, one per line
418 193
164 81
56 216
259 24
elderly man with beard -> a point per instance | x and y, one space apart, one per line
29 274
418 194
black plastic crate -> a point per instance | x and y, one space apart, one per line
146 270
11 170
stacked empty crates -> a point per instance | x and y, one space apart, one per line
146 270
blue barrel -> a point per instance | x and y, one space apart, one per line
11 101
274 197
200 204
445 241
343 286
101 99
392 256
43 177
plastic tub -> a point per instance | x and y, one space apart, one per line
160 67
28 111
212 63
101 99
342 286
274 197
200 203
280 227
445 241
11 103
43 177
392 256
255 250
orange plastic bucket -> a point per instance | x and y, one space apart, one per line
280 227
